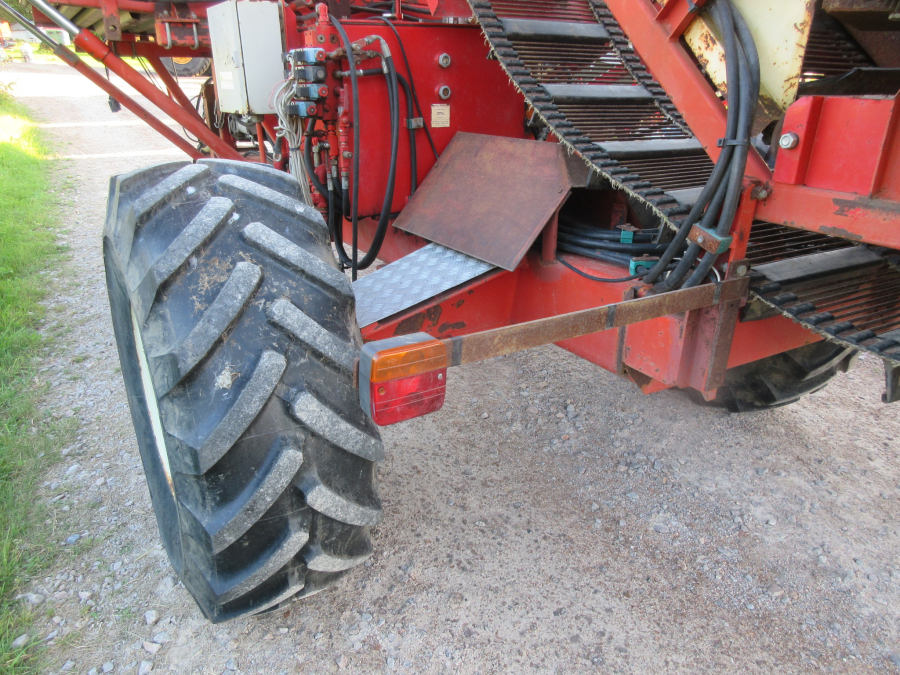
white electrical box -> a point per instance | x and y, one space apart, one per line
247 48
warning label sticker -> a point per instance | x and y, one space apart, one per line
226 80
440 115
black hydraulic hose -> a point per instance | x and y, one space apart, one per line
412 86
381 230
749 46
413 160
630 277
354 209
733 157
748 68
745 118
736 168
708 192
365 72
331 217
720 170
307 158
596 254
677 275
345 201
564 240
639 237
338 218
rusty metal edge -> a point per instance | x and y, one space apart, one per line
518 337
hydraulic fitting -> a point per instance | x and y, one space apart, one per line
307 56
309 73
311 91
302 108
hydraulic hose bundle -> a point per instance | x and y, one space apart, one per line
719 199
390 73
606 245
716 207
340 203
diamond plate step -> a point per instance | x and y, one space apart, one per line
415 278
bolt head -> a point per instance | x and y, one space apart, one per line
741 270
444 60
789 140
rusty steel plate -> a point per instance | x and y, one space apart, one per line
489 197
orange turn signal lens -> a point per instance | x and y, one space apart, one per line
407 360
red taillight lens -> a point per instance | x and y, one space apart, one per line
402 377
407 397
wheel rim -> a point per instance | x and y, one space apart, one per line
150 398
182 60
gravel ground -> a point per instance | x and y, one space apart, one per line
549 519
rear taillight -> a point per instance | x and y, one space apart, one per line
402 377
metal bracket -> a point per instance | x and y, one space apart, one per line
112 28
708 240
641 264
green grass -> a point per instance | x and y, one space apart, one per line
28 441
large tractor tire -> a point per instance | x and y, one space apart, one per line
783 378
187 66
238 338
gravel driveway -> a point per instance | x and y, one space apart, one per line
550 519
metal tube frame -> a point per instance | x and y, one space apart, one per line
73 60
171 84
101 51
519 337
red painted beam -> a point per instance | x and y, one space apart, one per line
125 5
132 6
146 49
838 214
181 143
174 88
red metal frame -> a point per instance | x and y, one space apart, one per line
173 87
838 210
129 103
835 212
843 176
676 351
100 51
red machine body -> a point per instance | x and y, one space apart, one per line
816 185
